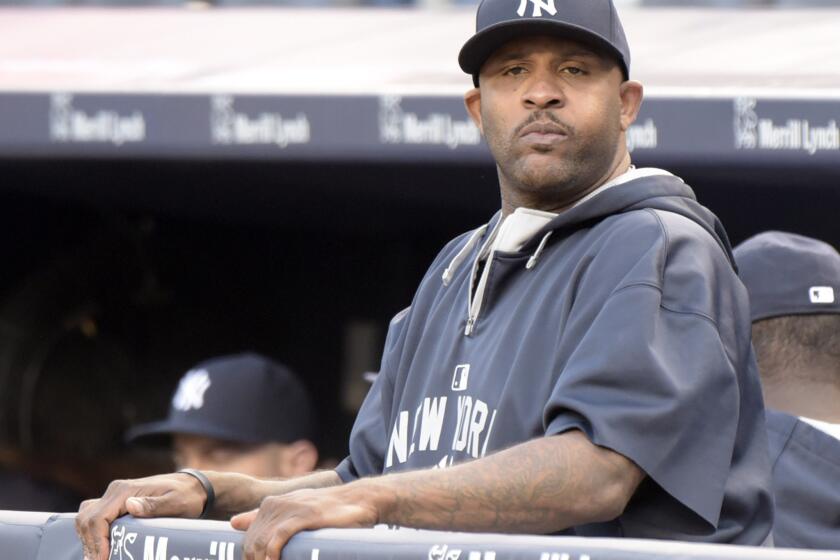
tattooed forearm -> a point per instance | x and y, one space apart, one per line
541 486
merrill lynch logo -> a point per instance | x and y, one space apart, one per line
157 548
68 124
397 126
119 543
561 556
642 136
191 389
227 126
444 552
755 133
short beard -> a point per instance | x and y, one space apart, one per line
587 160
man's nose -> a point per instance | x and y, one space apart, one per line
543 93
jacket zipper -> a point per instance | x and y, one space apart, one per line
474 307
476 300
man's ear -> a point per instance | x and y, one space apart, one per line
631 93
301 457
472 101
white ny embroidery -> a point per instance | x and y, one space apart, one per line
191 390
539 6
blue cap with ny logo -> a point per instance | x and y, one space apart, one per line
594 22
245 398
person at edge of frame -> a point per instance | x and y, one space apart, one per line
794 287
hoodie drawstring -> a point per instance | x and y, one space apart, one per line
532 262
462 255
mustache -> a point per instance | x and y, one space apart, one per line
544 116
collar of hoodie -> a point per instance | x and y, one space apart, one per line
505 235
530 231
631 174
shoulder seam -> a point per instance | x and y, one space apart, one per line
666 307
667 242
690 312
794 442
664 266
788 440
653 285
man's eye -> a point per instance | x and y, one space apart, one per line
514 71
573 70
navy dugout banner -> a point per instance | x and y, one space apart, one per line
20 534
53 537
392 128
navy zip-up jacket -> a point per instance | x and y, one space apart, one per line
628 323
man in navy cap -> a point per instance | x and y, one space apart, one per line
581 364
794 285
243 413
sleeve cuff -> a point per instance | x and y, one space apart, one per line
346 471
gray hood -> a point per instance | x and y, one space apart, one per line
659 192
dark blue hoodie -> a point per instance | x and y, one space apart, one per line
623 318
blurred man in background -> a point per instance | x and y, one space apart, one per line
242 413
794 285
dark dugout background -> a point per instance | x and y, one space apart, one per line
119 275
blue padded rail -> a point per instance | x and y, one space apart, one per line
45 536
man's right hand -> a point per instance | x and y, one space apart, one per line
167 495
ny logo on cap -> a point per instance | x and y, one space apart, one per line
539 6
821 294
191 390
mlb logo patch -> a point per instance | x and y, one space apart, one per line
821 294
461 377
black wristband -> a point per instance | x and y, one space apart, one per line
208 489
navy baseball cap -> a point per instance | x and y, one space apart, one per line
245 398
499 21
789 274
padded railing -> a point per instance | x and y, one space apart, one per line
45 536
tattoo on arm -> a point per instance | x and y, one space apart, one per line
541 486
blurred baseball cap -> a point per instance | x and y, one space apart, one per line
594 22
244 398
789 274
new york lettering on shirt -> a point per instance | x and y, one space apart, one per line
473 426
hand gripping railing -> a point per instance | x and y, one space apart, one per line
44 536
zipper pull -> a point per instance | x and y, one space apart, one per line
470 324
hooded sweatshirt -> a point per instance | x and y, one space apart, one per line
623 318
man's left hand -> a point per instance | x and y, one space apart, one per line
279 518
